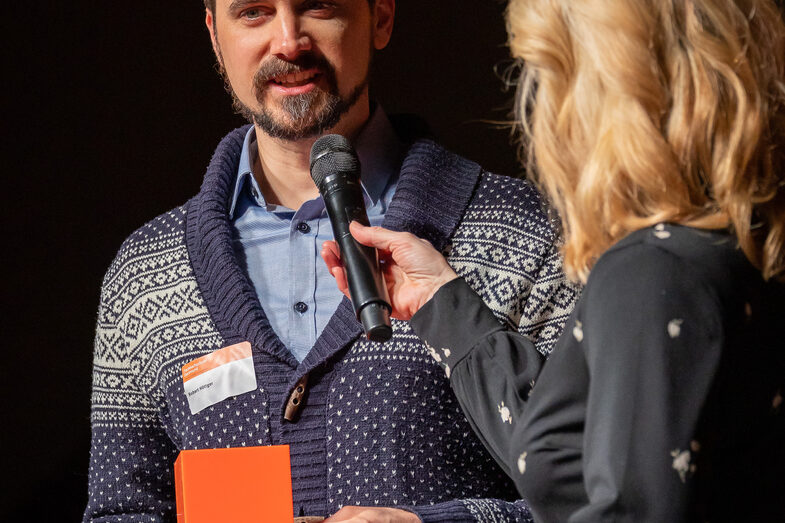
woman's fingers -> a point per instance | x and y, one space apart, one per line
413 269
378 237
333 248
331 256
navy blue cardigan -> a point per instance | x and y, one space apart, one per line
379 424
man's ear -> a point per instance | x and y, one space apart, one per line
383 18
209 21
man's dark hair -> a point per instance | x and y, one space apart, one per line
210 4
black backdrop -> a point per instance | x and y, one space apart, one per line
112 113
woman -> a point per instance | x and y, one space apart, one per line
657 129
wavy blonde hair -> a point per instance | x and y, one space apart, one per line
636 112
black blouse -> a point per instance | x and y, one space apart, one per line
662 400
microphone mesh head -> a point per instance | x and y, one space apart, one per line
332 154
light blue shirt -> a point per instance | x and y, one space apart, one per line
280 247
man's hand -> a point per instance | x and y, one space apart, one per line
372 515
413 269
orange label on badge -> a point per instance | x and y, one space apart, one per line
215 359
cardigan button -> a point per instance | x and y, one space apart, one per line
296 399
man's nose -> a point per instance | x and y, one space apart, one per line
289 40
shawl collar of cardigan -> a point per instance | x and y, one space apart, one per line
433 191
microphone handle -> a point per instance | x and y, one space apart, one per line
344 203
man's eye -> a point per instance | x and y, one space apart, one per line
252 14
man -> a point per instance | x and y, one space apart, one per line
368 424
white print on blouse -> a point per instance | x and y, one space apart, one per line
504 411
577 331
682 461
674 327
660 232
436 356
522 463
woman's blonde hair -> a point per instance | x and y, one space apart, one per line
636 112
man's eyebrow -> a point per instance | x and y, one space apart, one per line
239 4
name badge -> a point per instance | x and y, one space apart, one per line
218 375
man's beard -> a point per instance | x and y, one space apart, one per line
302 115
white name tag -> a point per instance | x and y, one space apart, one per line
218 375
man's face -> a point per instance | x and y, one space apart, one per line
296 67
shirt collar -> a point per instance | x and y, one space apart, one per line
247 156
377 147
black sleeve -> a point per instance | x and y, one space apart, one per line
651 334
491 370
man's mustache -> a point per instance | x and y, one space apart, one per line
274 66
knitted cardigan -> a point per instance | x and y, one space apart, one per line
379 424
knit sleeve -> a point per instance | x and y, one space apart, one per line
130 475
549 302
507 249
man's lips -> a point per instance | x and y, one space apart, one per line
295 80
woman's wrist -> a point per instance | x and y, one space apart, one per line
447 276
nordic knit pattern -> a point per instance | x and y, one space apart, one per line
379 424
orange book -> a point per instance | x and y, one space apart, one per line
235 485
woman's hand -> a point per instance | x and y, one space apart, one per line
413 269
351 514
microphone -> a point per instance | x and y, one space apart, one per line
335 169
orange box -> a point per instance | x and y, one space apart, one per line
235 485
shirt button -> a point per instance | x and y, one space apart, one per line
300 307
303 227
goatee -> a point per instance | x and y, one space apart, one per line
298 116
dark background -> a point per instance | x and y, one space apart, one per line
112 114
